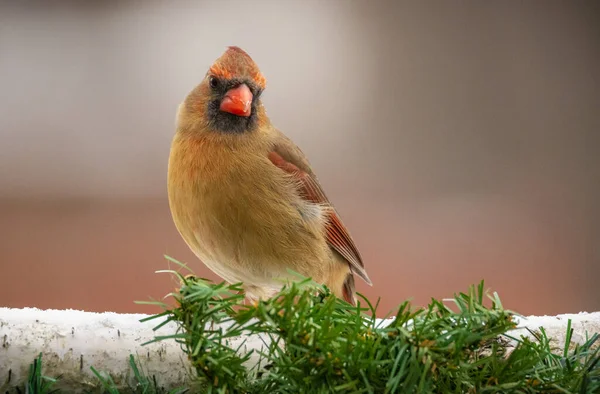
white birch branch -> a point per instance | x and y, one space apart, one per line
72 341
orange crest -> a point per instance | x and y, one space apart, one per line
236 63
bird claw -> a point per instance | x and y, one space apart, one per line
189 277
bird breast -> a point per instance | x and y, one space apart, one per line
241 215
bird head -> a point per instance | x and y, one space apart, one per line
228 98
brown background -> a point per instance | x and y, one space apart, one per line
459 141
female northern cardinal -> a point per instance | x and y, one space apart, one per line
244 197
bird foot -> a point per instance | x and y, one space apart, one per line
190 278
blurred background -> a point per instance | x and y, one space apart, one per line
459 140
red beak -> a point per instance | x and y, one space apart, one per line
238 101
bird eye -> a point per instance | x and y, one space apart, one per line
213 82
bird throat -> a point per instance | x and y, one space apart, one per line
228 123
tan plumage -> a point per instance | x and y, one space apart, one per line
244 197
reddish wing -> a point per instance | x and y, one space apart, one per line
337 236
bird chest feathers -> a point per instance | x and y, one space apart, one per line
227 199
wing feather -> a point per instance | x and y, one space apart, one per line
290 159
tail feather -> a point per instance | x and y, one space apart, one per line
348 289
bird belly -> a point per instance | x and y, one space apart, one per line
251 228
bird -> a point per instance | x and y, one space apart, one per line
245 198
